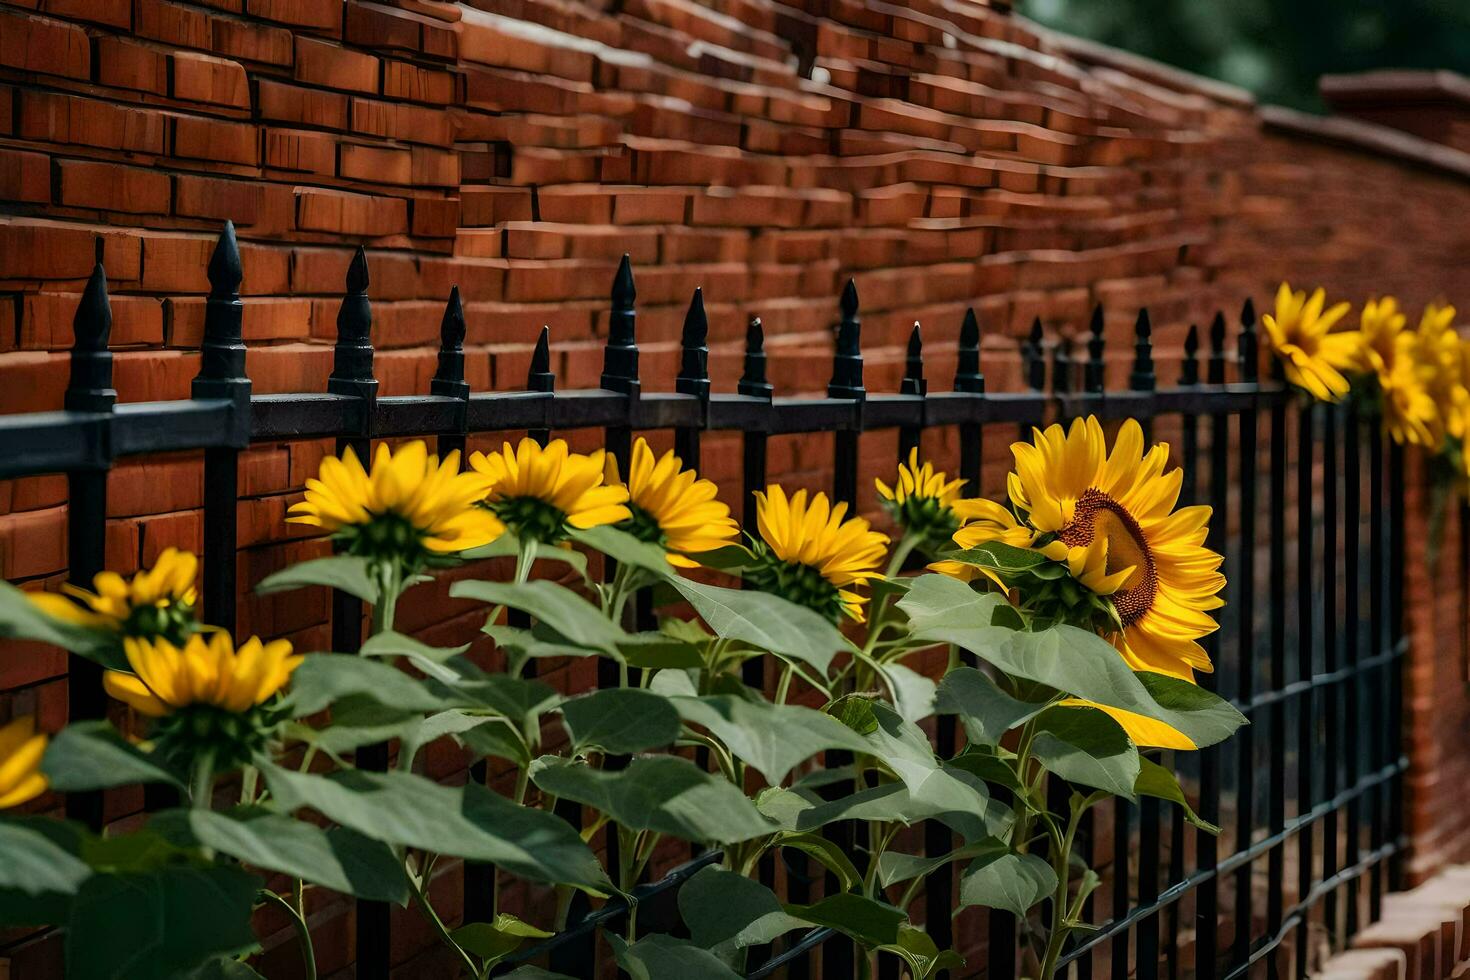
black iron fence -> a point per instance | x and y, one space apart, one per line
1310 648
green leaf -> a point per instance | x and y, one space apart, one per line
533 643
870 922
895 866
913 693
916 948
516 698
990 763
765 621
221 968
431 661
826 853
854 711
660 957
325 679
663 793
625 549
803 810
38 856
1156 781
464 821
1085 665
350 573
771 738
658 651
340 859
158 924
22 619
1004 559
493 941
1085 746
496 738
1006 880
502 547
726 911
986 711
530 972
942 601
571 616
620 721
90 755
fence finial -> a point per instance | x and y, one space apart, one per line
1033 357
913 382
90 387
693 377
753 381
1246 344
967 376
847 362
1142 377
1216 370
449 379
540 376
1096 375
352 363
222 352
620 357
1061 366
1189 367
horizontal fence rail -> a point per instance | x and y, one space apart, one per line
1310 650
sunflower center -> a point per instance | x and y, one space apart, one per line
798 583
643 526
532 518
1099 516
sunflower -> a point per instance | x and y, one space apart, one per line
542 493
157 601
21 748
1312 354
211 672
925 502
809 554
1410 414
409 506
1381 325
671 506
989 522
1441 369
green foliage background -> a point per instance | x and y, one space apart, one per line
1275 48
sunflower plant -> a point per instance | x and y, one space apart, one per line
1084 597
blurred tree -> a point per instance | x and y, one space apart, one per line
1275 48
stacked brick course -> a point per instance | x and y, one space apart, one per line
946 153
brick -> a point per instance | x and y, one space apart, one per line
292 149
43 45
111 187
158 485
414 124
46 321
33 543
216 81
114 13
173 23
302 106
216 139
376 164
126 64
372 26
330 65
434 217
319 209
414 83
216 199
324 15
59 118
24 176
45 251
249 41
434 168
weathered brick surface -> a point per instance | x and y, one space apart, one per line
945 154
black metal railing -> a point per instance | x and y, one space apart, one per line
1318 675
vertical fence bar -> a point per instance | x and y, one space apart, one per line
1276 574
1306 645
968 378
1393 731
1352 485
89 389
753 384
1144 378
1244 595
1380 632
1207 901
693 377
839 953
540 377
620 373
1330 739
352 376
912 383
1189 377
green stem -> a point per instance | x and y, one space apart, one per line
201 789
438 924
298 920
525 558
883 840
1061 866
249 781
784 685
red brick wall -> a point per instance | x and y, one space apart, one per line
951 154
